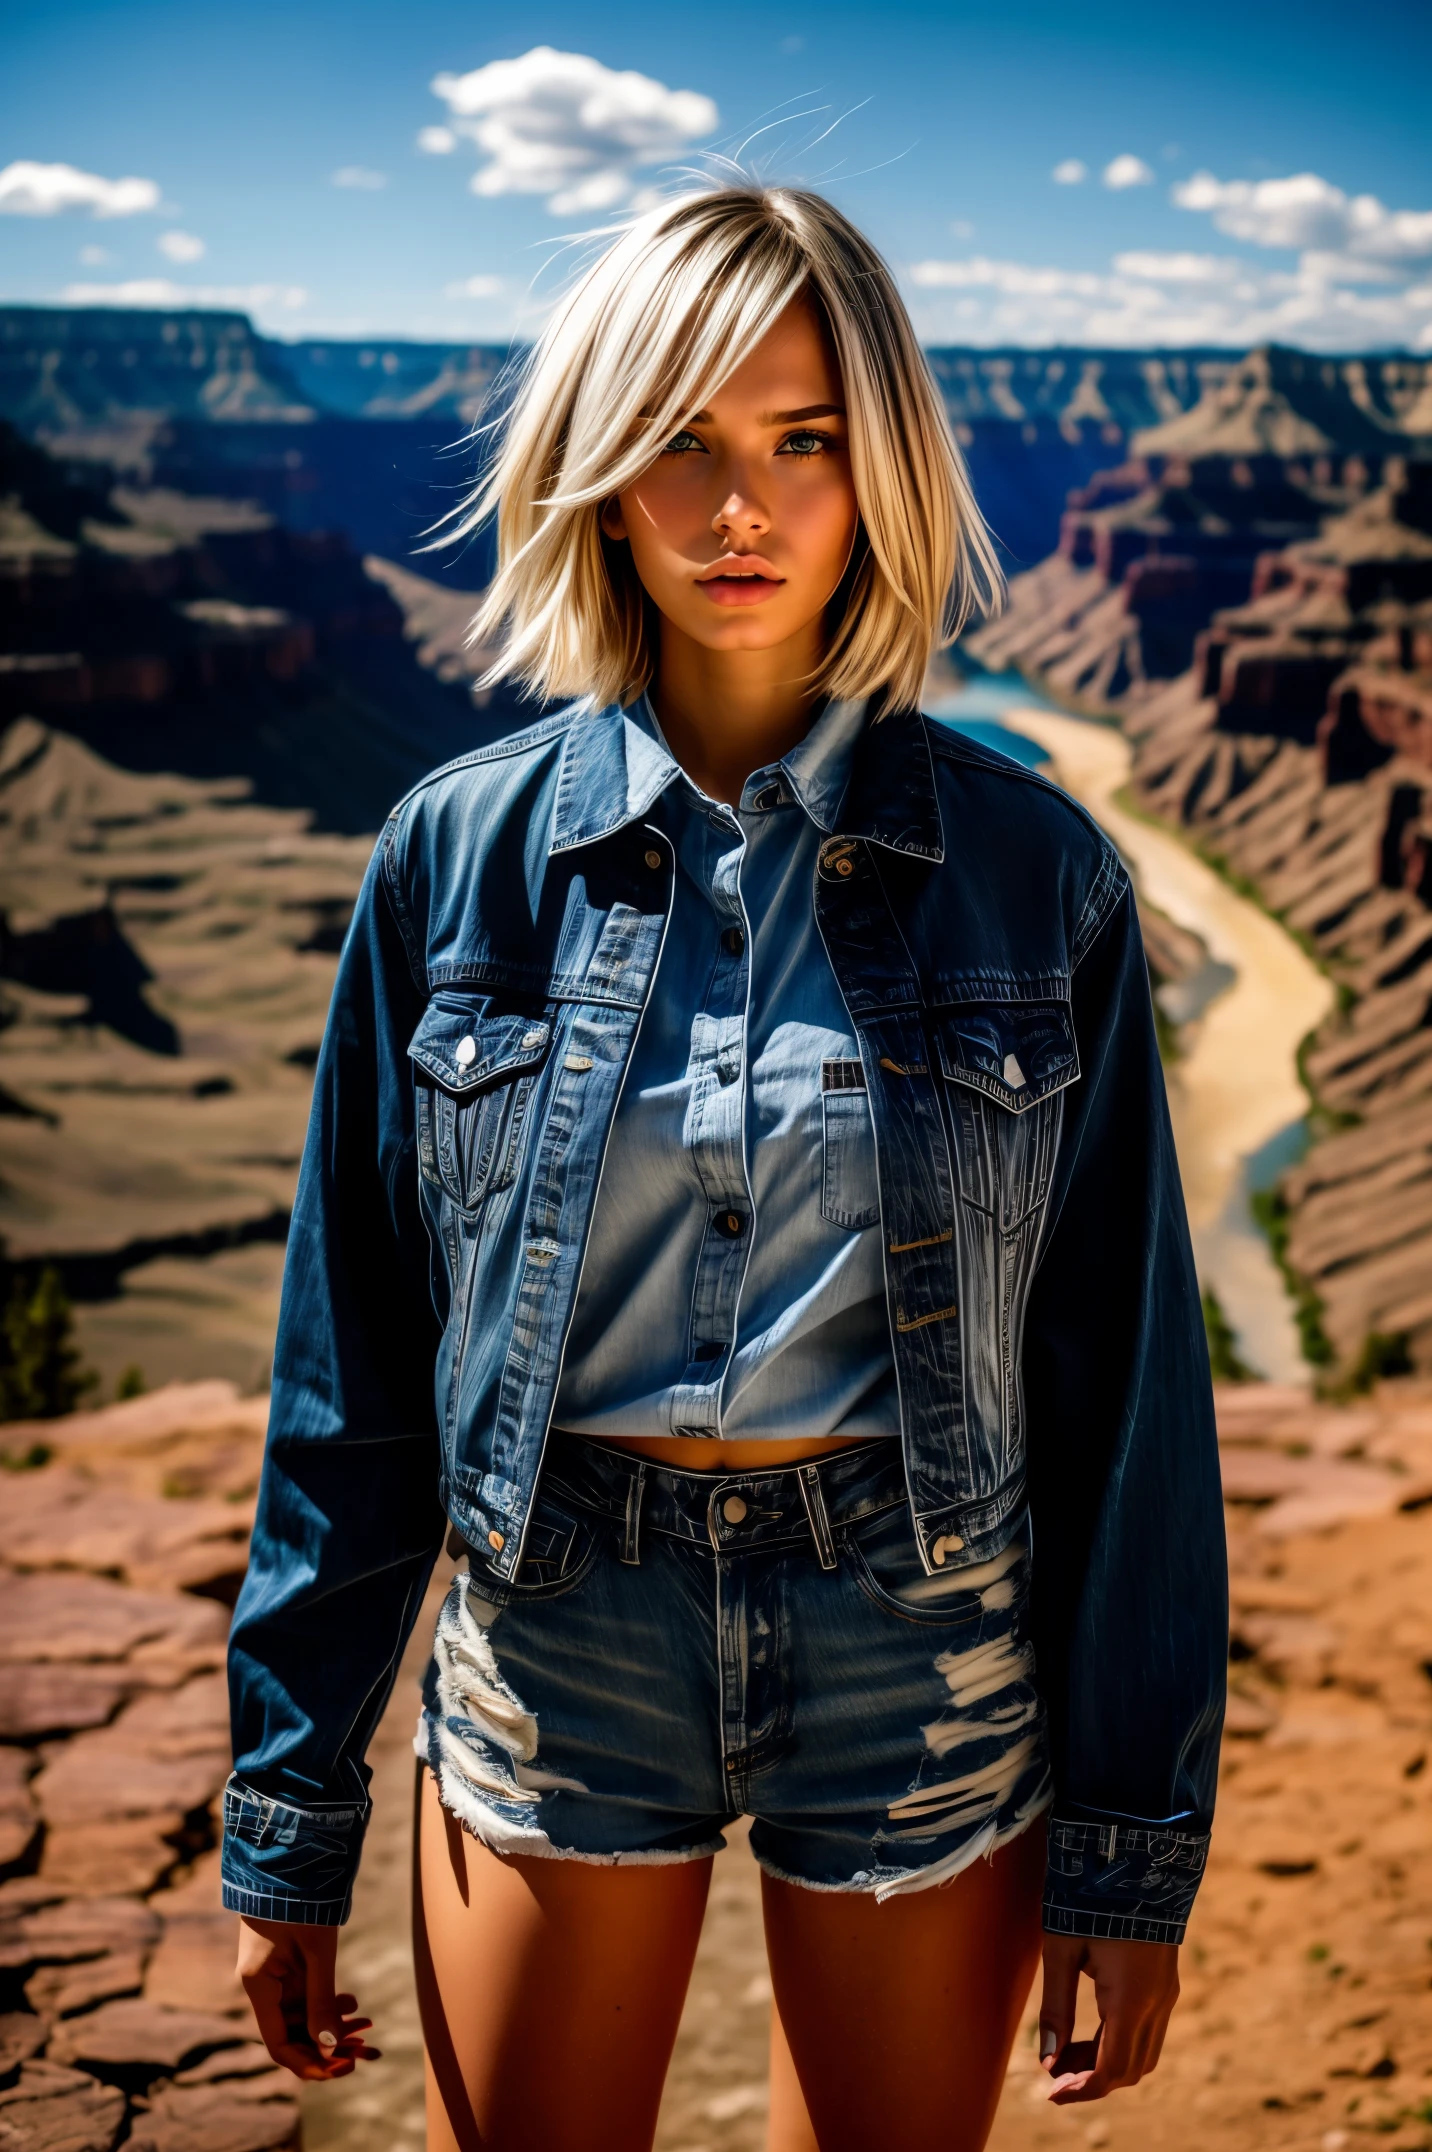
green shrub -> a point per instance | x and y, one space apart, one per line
1223 1358
41 1377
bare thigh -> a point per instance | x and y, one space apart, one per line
900 2017
550 1991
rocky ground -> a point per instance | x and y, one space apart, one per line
1306 2020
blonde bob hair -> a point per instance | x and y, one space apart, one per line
650 331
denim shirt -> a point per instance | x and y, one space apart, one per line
1042 1308
744 1102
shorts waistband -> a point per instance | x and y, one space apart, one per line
731 1512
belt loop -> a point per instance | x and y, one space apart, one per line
813 1495
636 1487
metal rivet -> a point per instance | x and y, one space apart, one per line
652 857
733 1509
577 1061
535 1037
937 1554
497 1541
948 1543
466 1052
845 866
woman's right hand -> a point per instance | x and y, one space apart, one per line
287 1969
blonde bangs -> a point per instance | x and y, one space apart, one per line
642 339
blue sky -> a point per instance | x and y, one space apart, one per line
1248 170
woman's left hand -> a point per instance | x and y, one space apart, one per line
1135 1987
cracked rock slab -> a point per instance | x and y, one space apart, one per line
144 2033
50 2109
215 2118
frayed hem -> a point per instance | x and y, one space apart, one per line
507 1839
883 1884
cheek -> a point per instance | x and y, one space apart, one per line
821 516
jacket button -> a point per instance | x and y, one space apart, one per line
652 857
497 1541
465 1052
733 941
729 1224
733 1509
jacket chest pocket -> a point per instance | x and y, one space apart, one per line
475 1074
1006 1064
849 1191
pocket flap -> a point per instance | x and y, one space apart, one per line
462 1048
1015 1051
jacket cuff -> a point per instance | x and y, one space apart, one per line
285 1863
1125 1882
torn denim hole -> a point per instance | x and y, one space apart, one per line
481 1743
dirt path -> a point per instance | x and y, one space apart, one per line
1237 1085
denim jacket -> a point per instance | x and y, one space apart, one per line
1044 1313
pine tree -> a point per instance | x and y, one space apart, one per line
40 1372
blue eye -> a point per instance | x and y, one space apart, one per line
682 443
804 443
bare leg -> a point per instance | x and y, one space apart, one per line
789 2126
901 2016
550 1991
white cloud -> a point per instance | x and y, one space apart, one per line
562 125
181 247
162 291
1181 268
1307 211
1127 171
1166 299
44 190
437 141
1070 172
358 176
475 287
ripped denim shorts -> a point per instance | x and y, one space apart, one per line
683 1648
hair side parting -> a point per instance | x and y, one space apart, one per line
642 338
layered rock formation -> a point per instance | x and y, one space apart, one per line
1288 731
202 719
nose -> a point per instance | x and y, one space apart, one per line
739 517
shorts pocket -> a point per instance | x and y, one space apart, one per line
887 1567
849 1190
563 1545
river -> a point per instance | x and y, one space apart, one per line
1237 1103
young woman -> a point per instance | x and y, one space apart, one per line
740 1210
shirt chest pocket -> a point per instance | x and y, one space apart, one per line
1006 1065
475 1073
849 1191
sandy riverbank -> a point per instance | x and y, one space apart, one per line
1237 1085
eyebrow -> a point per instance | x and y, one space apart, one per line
781 418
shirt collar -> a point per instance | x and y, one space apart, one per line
852 777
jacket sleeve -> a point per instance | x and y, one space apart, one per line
1130 1593
349 1521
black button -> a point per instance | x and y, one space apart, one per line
729 1224
733 941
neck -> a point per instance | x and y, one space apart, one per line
728 712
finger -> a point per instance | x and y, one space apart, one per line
278 2034
1058 1999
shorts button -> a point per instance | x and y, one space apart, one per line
733 1509
497 1541
652 857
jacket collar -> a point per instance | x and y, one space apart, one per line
882 787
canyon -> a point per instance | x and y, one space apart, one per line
1250 594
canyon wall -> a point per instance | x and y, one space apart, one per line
1251 592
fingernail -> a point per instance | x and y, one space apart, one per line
1048 2045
